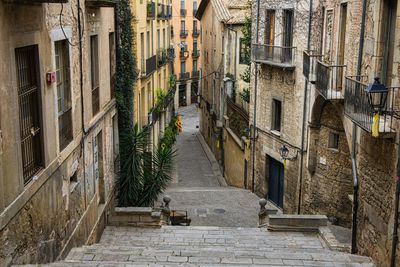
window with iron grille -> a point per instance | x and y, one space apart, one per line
276 115
63 93
27 63
94 67
111 38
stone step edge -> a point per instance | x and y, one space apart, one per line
331 241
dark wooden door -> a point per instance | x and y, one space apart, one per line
275 181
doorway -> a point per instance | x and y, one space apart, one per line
275 181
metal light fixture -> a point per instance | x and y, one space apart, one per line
284 152
377 95
228 86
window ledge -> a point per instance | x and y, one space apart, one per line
275 132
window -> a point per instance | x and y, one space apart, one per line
194 25
63 93
182 4
94 67
269 27
287 35
111 42
276 115
98 165
158 40
28 77
194 6
148 45
194 65
163 38
244 57
142 55
333 141
183 26
183 67
387 37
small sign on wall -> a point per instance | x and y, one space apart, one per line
322 160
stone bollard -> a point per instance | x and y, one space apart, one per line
263 214
166 212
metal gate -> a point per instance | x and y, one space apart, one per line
27 61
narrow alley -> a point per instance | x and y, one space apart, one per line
199 187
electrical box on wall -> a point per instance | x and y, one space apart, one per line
51 77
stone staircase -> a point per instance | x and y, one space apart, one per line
208 246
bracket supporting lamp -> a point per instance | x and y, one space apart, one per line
284 152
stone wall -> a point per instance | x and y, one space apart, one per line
64 204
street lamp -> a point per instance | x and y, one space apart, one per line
377 94
284 152
228 86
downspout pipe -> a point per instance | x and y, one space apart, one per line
253 137
354 138
303 125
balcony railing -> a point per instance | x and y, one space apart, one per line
184 76
183 12
162 57
183 55
309 65
195 74
170 54
330 80
278 56
151 10
149 67
163 12
359 111
196 54
183 33
195 33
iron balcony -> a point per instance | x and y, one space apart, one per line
183 55
196 54
151 10
149 67
330 80
195 74
357 108
183 33
162 57
184 76
309 65
277 56
195 33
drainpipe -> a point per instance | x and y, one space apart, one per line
253 138
354 138
84 132
303 128
396 211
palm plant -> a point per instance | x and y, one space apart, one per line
143 176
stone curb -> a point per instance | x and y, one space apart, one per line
213 161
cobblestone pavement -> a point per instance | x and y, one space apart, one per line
197 183
207 247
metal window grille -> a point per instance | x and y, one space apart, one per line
27 61
94 62
63 94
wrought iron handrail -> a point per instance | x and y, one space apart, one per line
280 56
357 107
330 80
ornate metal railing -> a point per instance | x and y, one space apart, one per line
151 10
149 67
183 33
196 53
309 65
184 76
279 56
170 53
195 33
359 111
195 74
330 80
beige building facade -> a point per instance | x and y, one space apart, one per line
154 56
186 41
58 126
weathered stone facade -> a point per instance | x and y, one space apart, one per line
278 82
64 203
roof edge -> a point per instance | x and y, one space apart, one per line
201 9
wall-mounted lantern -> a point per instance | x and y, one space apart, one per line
377 95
